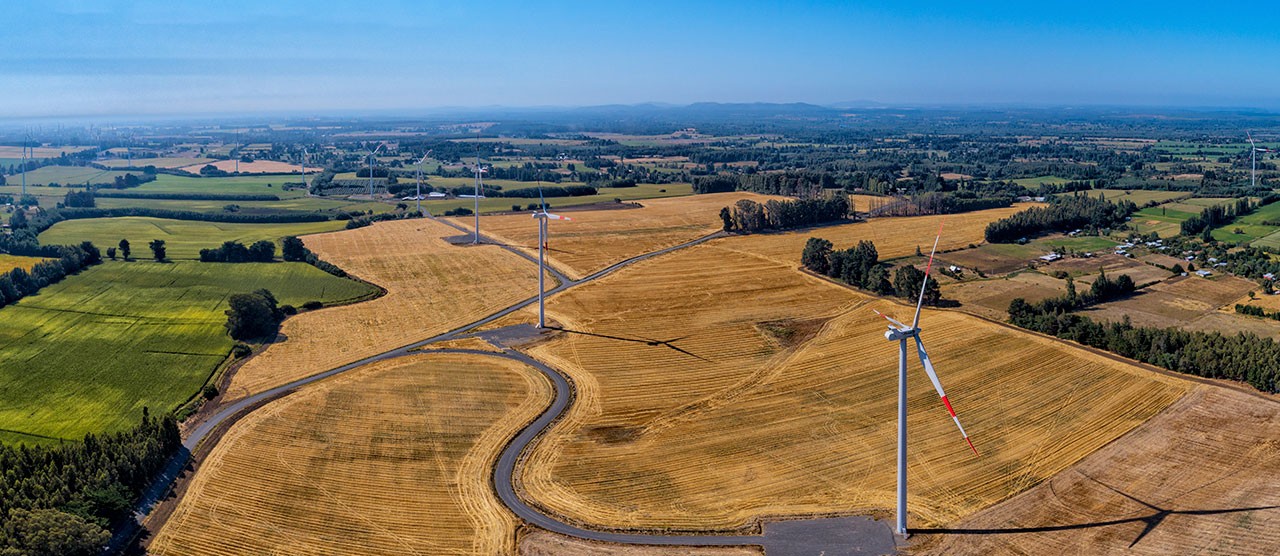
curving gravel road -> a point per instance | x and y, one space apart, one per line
829 536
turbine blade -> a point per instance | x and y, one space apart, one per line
556 216
933 377
916 323
891 319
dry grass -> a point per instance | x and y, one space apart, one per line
1175 302
894 237
990 298
543 543
1216 449
393 458
10 262
432 287
725 424
594 240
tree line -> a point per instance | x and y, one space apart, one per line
18 283
1243 357
749 216
262 251
1063 213
1219 215
293 250
64 499
794 183
860 266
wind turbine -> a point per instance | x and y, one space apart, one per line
373 156
1253 161
479 190
543 216
900 332
419 178
304 172
25 140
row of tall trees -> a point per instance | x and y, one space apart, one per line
293 250
262 251
749 216
1218 215
63 499
796 183
18 283
1062 214
1243 356
860 266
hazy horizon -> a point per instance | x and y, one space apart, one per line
114 59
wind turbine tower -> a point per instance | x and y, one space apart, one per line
542 216
24 164
418 198
373 157
304 172
1253 161
900 333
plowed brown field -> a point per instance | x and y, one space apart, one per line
393 458
1201 478
432 287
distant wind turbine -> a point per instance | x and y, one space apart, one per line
900 332
542 217
304 172
479 190
419 177
373 157
25 140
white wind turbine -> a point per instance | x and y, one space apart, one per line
418 176
542 217
305 187
1253 160
373 157
900 332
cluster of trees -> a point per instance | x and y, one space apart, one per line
860 266
253 315
79 199
1242 357
365 220
1256 311
18 283
127 181
262 251
555 191
1218 215
800 183
1102 290
64 499
749 216
1062 214
293 250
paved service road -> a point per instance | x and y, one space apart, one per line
829 536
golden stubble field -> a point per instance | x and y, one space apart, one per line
393 458
595 239
432 287
718 385
1201 478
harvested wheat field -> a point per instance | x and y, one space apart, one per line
595 239
393 458
1203 477
894 237
432 287
1175 302
753 390
543 543
990 298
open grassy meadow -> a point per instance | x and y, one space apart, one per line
67 175
393 458
262 185
432 287
10 262
1136 196
88 353
595 239
289 204
163 162
183 238
768 392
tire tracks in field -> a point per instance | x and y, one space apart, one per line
236 410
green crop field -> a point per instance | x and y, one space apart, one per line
294 204
498 204
262 185
66 175
1033 182
88 353
1137 196
1252 227
183 238
157 162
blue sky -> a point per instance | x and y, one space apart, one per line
68 58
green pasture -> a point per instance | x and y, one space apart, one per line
292 204
1033 182
163 162
66 175
183 238
1252 227
88 353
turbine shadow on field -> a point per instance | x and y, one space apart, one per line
534 247
1150 521
647 341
